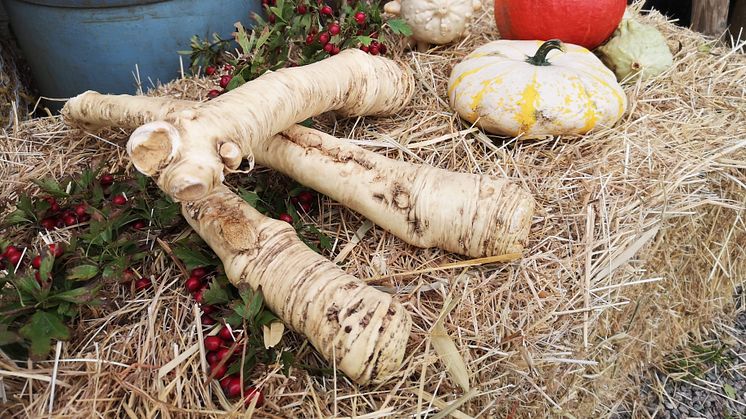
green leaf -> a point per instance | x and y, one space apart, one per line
266 317
399 27
242 38
249 196
82 295
236 81
193 258
17 217
82 272
28 287
51 187
24 204
288 359
256 305
41 329
216 294
47 262
730 391
365 40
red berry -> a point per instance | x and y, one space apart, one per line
309 39
227 381
382 48
252 393
36 262
326 10
364 48
207 320
69 220
106 180
374 35
213 343
360 18
272 18
55 207
212 358
334 28
81 210
219 371
329 48
210 70
142 283
59 223
14 258
119 199
139 224
128 275
11 250
208 309
212 94
373 50
223 353
286 218
226 334
234 388
198 295
228 68
301 9
193 284
305 197
324 38
198 272
56 249
224 80
306 207
335 50
48 223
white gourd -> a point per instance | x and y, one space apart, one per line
435 21
529 88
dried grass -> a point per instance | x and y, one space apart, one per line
636 248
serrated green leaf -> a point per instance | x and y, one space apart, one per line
51 187
365 40
26 206
82 272
215 294
41 329
193 258
399 27
242 38
82 295
17 217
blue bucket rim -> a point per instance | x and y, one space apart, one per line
91 4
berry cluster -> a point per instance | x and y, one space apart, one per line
14 256
303 200
224 76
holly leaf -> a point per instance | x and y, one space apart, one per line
399 27
215 294
193 258
41 329
82 272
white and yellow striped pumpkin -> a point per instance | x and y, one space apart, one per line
534 89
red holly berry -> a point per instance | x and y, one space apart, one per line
286 218
382 48
208 309
69 220
213 343
326 10
106 180
193 284
36 262
219 371
119 200
223 353
334 28
272 18
309 39
207 320
374 35
14 258
324 38
373 50
360 18
364 48
335 50
198 272
212 94
198 295
56 249
252 393
81 210
59 223
226 381
10 250
212 358
49 223
306 207
301 9
226 334
224 80
234 388
139 224
306 197
210 70
128 275
142 283
329 48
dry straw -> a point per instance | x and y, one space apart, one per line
636 249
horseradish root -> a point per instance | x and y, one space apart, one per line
181 148
365 331
469 214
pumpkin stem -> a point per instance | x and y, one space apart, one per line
540 58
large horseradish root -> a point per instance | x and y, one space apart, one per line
216 134
365 331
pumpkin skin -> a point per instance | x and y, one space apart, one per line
496 88
582 22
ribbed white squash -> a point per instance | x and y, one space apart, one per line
530 88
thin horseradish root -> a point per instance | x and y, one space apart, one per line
187 150
365 331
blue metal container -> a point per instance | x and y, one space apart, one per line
76 45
